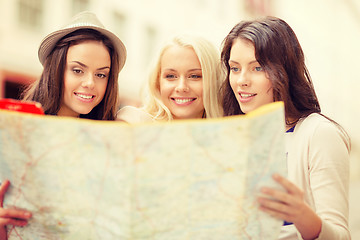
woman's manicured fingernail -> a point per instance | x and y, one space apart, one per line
276 176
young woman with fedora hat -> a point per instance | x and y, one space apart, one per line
87 56
80 79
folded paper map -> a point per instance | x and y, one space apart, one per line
185 179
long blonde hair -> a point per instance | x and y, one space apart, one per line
212 73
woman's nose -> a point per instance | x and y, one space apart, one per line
88 81
182 85
243 79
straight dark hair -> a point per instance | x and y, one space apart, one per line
279 53
49 89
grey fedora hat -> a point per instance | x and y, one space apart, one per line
83 20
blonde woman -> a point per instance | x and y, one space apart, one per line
184 83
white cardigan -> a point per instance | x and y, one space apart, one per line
318 163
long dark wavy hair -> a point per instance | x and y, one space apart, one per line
279 53
49 89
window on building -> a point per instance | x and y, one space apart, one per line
119 25
30 13
259 7
79 6
150 42
13 89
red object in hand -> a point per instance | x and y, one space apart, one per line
21 106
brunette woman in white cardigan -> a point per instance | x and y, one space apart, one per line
265 63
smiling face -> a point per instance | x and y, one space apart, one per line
181 83
85 78
248 80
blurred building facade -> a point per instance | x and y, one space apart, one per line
142 25
328 30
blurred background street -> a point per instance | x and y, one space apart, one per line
328 30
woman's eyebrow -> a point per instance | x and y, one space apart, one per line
85 66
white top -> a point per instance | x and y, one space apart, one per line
318 163
132 114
